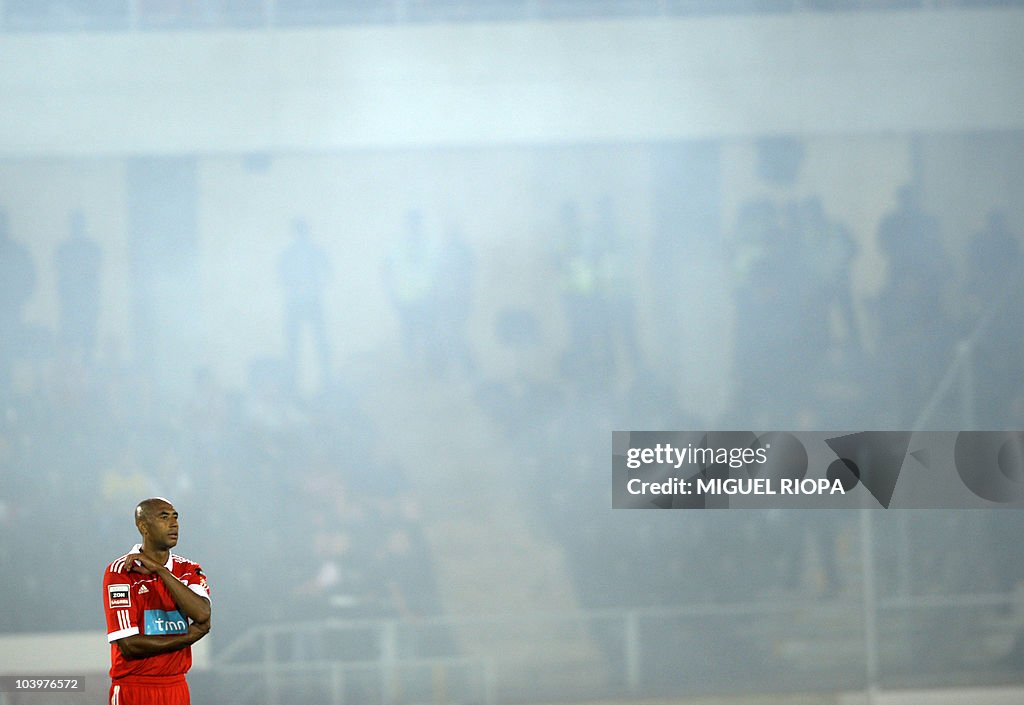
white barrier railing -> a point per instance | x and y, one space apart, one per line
784 645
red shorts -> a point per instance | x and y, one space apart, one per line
149 690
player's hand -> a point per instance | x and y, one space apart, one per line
141 563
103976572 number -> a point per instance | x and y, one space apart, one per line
11 684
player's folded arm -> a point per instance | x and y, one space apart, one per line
142 645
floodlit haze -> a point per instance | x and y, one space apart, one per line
364 288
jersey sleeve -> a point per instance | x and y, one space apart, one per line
117 603
195 579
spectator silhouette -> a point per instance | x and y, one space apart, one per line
454 294
830 251
17 283
588 359
770 295
994 289
617 286
994 262
807 269
410 277
304 270
912 316
78 261
909 238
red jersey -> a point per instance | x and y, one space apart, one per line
140 604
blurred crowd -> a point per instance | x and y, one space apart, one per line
84 434
287 492
807 356
294 513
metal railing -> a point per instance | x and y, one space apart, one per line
374 661
331 682
781 644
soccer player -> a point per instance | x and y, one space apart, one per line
157 605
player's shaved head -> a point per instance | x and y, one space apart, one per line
144 510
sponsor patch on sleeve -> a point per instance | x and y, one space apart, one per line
119 595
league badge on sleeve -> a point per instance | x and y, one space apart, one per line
119 596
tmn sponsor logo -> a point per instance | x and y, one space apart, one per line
161 622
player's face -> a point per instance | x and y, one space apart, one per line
162 526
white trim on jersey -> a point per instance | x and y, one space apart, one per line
114 636
115 696
118 565
124 621
169 565
199 590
